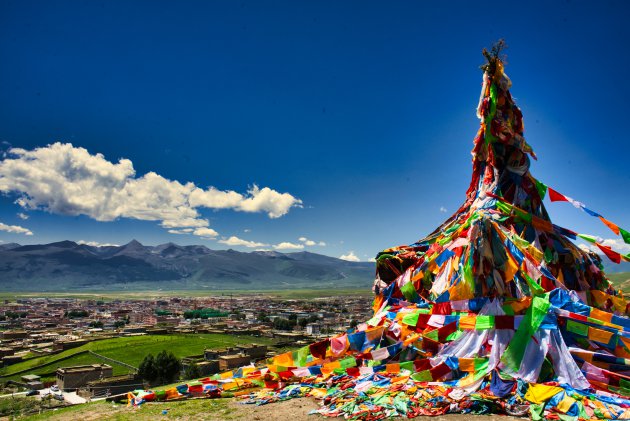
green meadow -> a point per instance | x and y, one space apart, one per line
620 280
130 350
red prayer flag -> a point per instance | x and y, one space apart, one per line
442 308
612 255
439 371
554 196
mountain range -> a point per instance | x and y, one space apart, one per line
69 266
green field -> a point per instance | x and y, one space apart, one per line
621 280
130 350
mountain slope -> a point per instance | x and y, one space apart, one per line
66 265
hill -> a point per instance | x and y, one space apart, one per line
68 266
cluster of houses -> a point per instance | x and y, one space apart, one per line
32 327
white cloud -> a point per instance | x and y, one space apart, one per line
285 245
181 231
185 223
205 232
22 216
15 229
275 204
350 257
68 180
371 259
443 209
96 244
247 230
268 200
584 247
235 241
311 243
617 244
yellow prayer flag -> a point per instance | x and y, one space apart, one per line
540 393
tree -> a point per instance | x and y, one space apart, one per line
96 324
147 370
282 324
192 371
119 323
167 366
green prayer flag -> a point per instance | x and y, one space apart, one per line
534 287
588 238
481 368
625 234
444 240
452 229
504 207
493 110
409 291
577 328
407 365
542 189
302 354
536 411
433 335
524 216
411 319
484 322
348 362
514 353
468 274
422 376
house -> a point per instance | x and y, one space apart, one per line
255 351
205 367
228 362
14 334
214 354
313 329
32 381
80 375
111 386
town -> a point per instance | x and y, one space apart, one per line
42 337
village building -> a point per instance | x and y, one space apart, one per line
228 362
78 376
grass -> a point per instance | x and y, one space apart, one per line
198 409
620 280
14 406
132 350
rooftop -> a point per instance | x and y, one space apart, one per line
83 368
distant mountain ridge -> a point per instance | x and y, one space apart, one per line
69 266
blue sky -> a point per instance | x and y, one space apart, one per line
358 117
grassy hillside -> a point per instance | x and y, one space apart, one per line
621 280
130 350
